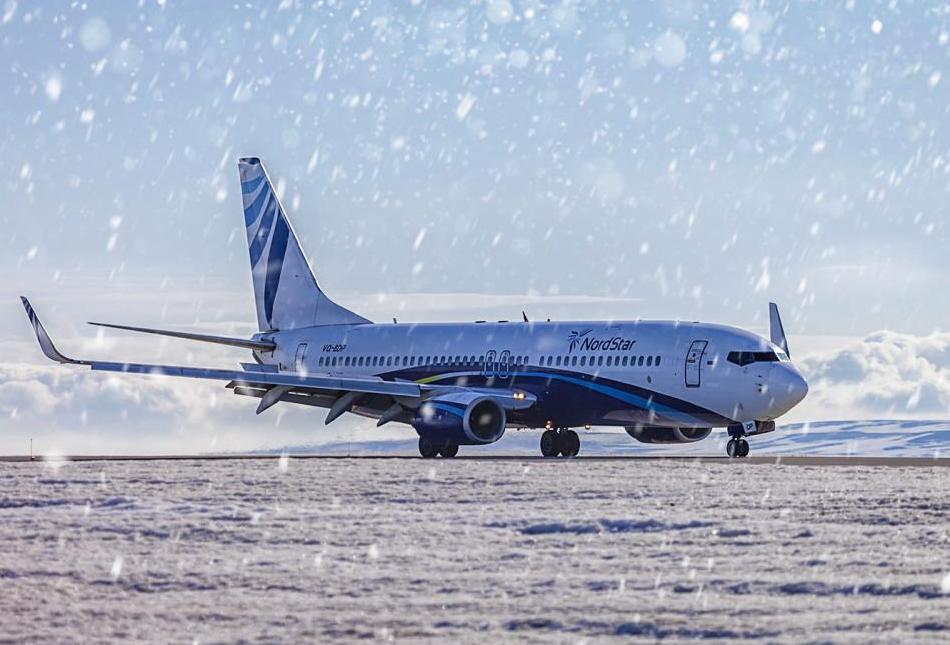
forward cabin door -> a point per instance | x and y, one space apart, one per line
694 362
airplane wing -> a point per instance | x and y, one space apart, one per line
242 377
281 383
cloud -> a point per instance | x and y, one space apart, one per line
68 409
884 374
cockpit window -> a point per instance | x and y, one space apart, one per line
746 358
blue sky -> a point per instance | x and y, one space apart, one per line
588 159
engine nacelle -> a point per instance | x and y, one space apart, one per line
657 434
464 418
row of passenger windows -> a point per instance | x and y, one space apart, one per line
472 360
607 361
407 361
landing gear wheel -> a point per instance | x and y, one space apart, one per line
732 448
570 443
427 448
449 450
743 448
550 444
737 447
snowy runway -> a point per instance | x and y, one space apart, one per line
472 550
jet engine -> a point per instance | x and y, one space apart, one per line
463 418
658 434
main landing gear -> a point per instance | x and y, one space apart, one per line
430 449
563 442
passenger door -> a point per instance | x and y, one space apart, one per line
694 362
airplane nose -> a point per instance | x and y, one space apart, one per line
787 386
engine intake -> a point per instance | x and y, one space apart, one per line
659 434
464 418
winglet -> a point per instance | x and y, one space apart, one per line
776 331
46 344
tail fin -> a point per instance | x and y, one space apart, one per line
286 293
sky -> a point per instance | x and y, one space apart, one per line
452 161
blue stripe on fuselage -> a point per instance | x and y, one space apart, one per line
644 399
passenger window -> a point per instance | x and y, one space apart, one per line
649 361
624 361
320 362
600 360
583 361
557 361
657 362
609 360
640 362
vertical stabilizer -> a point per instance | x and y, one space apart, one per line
285 291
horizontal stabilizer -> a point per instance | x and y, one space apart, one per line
263 345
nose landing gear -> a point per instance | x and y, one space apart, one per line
737 447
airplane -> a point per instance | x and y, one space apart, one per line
465 384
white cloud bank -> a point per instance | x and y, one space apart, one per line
886 374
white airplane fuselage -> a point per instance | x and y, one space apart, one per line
657 373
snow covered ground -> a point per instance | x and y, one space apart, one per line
825 438
472 551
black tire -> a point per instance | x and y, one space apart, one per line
743 448
732 448
550 446
449 450
570 443
427 448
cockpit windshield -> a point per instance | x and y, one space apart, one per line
747 358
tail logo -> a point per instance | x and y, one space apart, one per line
263 211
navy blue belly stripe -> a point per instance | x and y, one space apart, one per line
641 398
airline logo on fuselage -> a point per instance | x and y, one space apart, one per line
582 341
